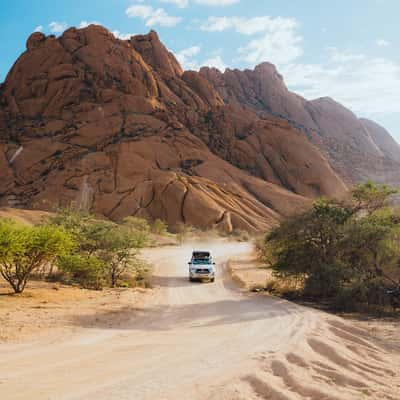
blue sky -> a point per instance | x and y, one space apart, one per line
345 49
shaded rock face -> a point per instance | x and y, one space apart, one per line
356 149
117 127
387 145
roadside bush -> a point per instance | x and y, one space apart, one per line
27 249
345 252
105 250
136 275
119 251
362 296
89 272
135 224
159 227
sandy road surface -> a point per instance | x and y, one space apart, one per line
204 341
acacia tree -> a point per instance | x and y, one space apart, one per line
118 252
337 246
370 197
26 249
306 246
105 250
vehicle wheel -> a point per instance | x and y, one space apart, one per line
191 279
212 280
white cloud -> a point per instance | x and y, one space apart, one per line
367 85
122 36
344 56
152 16
185 58
217 3
85 24
278 40
279 47
212 3
57 27
215 62
188 58
382 43
249 26
39 28
179 3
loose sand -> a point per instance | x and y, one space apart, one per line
183 340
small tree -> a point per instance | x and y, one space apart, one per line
105 250
306 247
139 230
26 249
370 197
119 250
159 227
88 271
340 248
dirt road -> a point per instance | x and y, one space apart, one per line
203 341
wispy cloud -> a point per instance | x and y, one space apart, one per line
367 85
211 3
39 28
152 16
215 61
189 59
277 41
122 36
57 27
179 3
84 24
382 43
217 3
186 57
249 26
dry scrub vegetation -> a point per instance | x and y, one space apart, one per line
74 247
344 253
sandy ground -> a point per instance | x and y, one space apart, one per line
30 217
185 340
250 274
49 309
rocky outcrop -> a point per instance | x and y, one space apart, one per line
382 138
355 149
117 127
156 55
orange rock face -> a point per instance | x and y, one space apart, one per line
117 127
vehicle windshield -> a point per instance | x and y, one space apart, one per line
201 261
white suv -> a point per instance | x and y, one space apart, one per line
201 267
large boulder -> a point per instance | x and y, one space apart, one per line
115 126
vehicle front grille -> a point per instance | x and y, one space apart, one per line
202 271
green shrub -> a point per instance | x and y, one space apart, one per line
345 252
361 296
159 227
27 249
105 250
87 271
136 224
